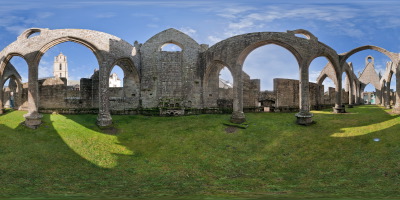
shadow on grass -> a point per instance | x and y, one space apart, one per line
47 163
193 155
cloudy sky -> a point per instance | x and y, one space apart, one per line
341 24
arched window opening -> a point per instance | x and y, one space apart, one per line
328 85
301 36
369 88
123 91
171 47
7 92
21 67
68 78
316 67
6 83
34 34
116 78
369 59
322 87
225 90
15 89
393 83
369 94
269 70
392 89
361 59
225 78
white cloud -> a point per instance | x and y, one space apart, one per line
269 62
189 31
328 83
234 11
313 75
328 16
45 68
44 15
226 75
213 39
16 29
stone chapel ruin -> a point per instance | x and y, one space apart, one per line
186 82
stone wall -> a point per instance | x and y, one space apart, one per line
287 95
251 91
171 74
328 98
20 96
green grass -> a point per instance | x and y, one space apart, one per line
194 157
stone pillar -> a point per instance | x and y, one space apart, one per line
378 97
387 93
396 108
33 117
104 116
304 117
237 114
357 94
351 97
338 98
384 97
1 100
369 98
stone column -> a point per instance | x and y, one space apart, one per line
338 98
351 97
104 116
1 100
369 98
396 108
384 97
387 93
378 97
304 117
237 114
33 117
357 94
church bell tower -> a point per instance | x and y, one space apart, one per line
60 68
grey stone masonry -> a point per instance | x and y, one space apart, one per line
185 81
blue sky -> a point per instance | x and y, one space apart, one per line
343 25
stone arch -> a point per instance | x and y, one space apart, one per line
349 75
130 93
6 61
17 92
106 48
234 50
172 36
306 33
27 33
210 83
245 52
392 56
171 42
57 41
328 71
12 74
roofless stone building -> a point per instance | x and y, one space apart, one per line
186 81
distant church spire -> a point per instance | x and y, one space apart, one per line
60 68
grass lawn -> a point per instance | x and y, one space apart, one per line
198 157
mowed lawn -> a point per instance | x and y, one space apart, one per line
352 155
